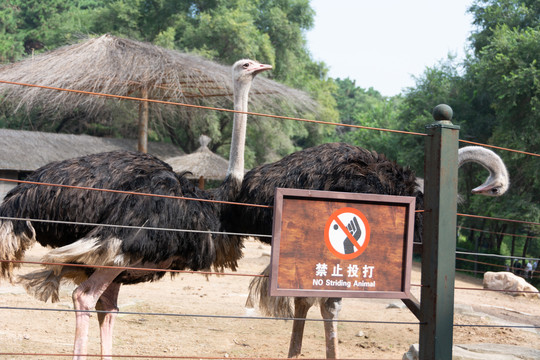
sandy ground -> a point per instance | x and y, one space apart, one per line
181 326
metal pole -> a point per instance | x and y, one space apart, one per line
439 239
142 144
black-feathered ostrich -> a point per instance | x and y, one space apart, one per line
120 246
334 167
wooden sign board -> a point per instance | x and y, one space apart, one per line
335 244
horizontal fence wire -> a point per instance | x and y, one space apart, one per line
499 148
131 98
499 233
132 193
517 292
211 108
265 318
483 272
499 326
133 227
128 268
470 271
496 256
238 317
170 357
479 262
499 219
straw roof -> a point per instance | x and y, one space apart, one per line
202 162
29 150
113 65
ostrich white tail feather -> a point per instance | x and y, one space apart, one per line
13 247
91 251
45 284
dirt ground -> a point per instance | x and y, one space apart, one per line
180 326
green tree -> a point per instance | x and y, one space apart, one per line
508 70
489 14
358 106
503 81
439 84
11 42
226 30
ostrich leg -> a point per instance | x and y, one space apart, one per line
85 298
301 307
329 311
108 304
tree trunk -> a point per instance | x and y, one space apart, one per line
525 249
513 246
500 238
512 251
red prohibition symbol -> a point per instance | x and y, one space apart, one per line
346 233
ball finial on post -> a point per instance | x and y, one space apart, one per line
443 112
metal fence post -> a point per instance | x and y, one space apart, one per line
439 239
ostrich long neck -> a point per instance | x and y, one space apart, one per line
235 173
238 140
483 157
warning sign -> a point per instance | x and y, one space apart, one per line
347 233
336 244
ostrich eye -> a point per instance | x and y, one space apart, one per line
494 191
245 66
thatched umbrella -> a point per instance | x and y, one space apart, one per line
201 164
113 65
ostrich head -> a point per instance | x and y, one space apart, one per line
498 181
243 72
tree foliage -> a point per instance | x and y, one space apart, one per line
490 14
503 87
361 107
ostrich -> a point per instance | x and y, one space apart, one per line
132 246
497 182
334 167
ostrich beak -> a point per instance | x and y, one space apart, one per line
486 189
257 68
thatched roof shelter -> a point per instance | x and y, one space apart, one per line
202 164
28 150
118 66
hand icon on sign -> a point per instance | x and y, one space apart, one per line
354 229
352 224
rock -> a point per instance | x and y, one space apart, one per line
412 354
482 351
465 309
396 305
494 352
509 283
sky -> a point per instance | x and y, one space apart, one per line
384 43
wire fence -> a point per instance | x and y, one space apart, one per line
236 317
